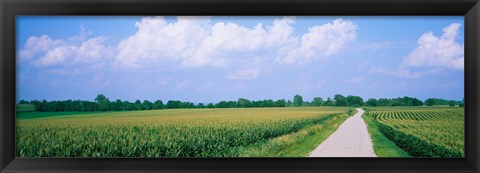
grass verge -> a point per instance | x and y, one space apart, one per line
382 146
297 144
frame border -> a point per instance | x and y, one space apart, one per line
470 9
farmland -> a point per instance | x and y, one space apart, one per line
422 131
228 132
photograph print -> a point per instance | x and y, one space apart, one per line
239 86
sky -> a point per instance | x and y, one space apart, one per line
210 59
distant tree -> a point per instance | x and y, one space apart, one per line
306 103
138 105
280 103
371 102
200 105
244 103
289 103
353 101
23 102
158 104
430 102
329 102
147 105
383 102
317 101
174 104
452 103
297 100
102 101
210 105
462 103
340 100
416 102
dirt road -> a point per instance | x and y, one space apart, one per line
350 140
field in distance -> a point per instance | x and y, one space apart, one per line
233 132
421 131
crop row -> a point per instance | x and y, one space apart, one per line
424 132
181 134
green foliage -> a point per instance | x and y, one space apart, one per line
340 100
382 146
436 101
163 133
25 108
371 102
297 100
424 132
102 101
317 101
354 101
329 102
399 101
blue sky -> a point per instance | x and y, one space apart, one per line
209 59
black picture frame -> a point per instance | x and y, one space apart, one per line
11 8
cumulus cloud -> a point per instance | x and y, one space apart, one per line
432 55
442 51
322 41
76 50
36 45
247 74
196 42
88 51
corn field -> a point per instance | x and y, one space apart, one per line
424 132
162 133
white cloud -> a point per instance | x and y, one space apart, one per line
354 80
68 53
247 74
158 43
46 51
196 42
36 45
433 51
432 55
320 42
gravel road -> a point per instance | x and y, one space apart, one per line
350 140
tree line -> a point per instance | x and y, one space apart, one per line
103 103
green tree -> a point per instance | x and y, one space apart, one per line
102 101
280 103
317 101
244 103
210 105
23 102
340 100
354 101
147 105
138 105
383 102
371 102
452 103
430 102
158 104
329 102
297 100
